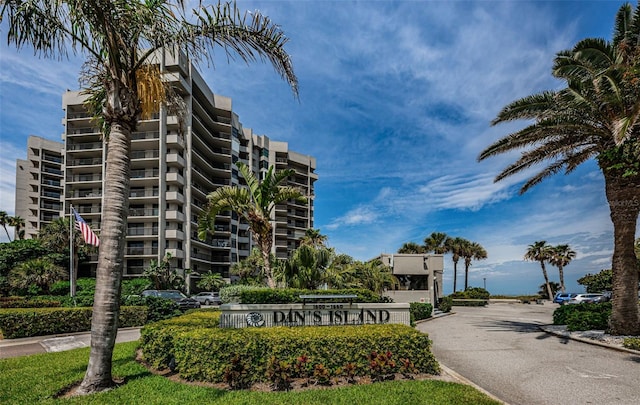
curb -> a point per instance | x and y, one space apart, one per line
466 381
567 335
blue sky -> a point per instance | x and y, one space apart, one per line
395 103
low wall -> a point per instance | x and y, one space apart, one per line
409 295
313 314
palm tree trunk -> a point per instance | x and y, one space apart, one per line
106 307
546 280
455 274
466 274
624 205
561 274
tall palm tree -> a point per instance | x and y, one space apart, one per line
471 251
120 37
541 252
255 204
4 221
561 256
411 248
436 243
455 246
596 116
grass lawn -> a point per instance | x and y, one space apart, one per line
37 379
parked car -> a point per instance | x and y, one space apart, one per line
182 301
207 298
585 298
562 298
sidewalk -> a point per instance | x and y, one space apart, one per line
57 343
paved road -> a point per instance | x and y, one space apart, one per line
501 349
43 344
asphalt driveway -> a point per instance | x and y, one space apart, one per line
501 349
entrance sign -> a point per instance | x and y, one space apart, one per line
315 314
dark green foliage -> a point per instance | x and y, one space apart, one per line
134 286
583 316
34 302
263 295
599 282
23 322
472 293
445 304
420 310
204 352
14 253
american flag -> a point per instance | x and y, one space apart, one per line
87 234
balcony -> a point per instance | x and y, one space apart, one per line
84 162
174 196
174 234
84 146
174 158
143 212
141 251
175 215
142 232
175 178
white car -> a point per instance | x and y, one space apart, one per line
585 298
207 298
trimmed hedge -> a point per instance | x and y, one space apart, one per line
27 322
262 295
583 316
420 310
193 345
22 302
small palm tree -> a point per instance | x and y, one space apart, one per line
561 256
340 273
313 237
162 275
455 246
306 267
541 252
255 204
40 272
471 251
18 225
436 243
411 248
375 276
4 221
211 282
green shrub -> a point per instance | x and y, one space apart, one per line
157 308
445 304
420 310
204 352
472 293
32 302
632 343
583 316
261 295
27 322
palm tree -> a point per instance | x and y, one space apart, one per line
541 252
471 251
375 276
255 204
436 243
306 267
561 256
411 248
211 282
17 223
313 237
120 37
455 247
40 272
596 116
340 273
4 221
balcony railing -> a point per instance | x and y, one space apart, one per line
52 170
136 136
145 154
51 158
143 212
142 174
84 162
141 251
144 193
84 146
85 177
142 231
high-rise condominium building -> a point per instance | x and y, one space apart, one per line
176 160
39 183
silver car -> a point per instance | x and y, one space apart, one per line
585 298
207 298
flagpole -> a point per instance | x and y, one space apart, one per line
72 284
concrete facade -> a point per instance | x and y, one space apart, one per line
420 276
176 161
39 184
